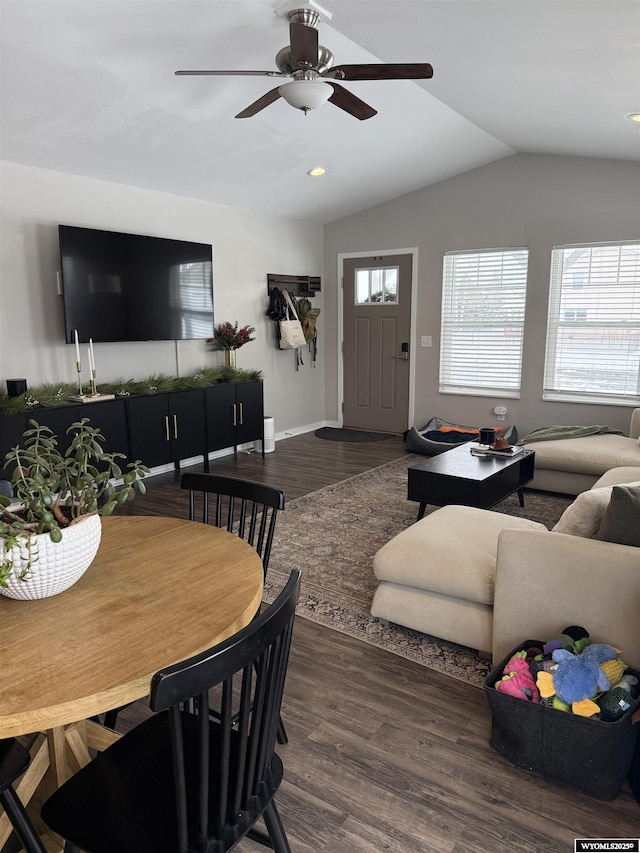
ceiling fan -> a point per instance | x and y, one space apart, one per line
309 64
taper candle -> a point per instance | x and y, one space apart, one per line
93 358
75 336
90 361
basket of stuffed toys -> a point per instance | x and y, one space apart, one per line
566 709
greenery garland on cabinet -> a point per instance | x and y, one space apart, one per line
59 394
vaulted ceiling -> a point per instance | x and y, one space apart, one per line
88 88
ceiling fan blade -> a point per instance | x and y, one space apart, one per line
304 46
397 71
351 104
260 104
209 73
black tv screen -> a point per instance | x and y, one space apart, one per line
128 287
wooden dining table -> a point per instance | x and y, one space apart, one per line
158 591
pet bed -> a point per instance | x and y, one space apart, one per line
438 435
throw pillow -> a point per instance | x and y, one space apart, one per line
584 516
621 519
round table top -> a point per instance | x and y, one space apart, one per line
158 591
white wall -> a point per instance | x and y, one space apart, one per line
523 200
246 246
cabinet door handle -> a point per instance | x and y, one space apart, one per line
235 418
241 421
166 428
175 426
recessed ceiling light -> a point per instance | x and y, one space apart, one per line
634 117
317 172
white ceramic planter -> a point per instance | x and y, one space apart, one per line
55 566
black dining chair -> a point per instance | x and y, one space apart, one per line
181 782
14 760
243 507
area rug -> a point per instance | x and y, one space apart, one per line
332 535
333 434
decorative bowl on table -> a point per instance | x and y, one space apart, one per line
42 568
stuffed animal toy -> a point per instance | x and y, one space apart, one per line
614 703
517 679
574 638
629 683
578 678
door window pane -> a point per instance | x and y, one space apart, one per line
377 285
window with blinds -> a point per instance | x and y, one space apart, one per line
593 331
482 327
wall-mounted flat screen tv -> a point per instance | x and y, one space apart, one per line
128 287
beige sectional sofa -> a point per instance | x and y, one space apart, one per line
572 465
489 581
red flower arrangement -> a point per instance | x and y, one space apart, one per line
226 336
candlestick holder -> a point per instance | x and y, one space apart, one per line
94 396
80 396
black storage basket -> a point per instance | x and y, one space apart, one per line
589 755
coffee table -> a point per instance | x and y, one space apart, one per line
458 477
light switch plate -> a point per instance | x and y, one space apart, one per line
425 341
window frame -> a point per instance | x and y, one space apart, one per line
512 286
562 292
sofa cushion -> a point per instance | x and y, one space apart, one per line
621 519
452 551
619 476
584 516
592 454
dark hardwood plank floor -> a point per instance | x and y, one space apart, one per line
384 754
299 465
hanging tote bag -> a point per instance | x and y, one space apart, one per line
291 334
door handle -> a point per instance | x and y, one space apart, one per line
241 415
235 418
166 428
404 352
175 426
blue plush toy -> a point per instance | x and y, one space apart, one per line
577 678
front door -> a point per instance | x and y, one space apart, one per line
377 322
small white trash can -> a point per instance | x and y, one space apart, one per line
269 437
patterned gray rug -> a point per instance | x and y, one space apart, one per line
333 534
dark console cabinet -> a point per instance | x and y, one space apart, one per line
157 429
167 427
235 414
110 416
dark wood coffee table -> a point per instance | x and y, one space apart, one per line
458 477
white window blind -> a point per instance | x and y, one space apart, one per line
593 331
482 328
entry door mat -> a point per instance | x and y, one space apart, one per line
333 434
332 535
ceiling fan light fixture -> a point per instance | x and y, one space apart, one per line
306 95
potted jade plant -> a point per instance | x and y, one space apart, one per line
50 530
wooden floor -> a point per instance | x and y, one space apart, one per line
299 465
384 754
